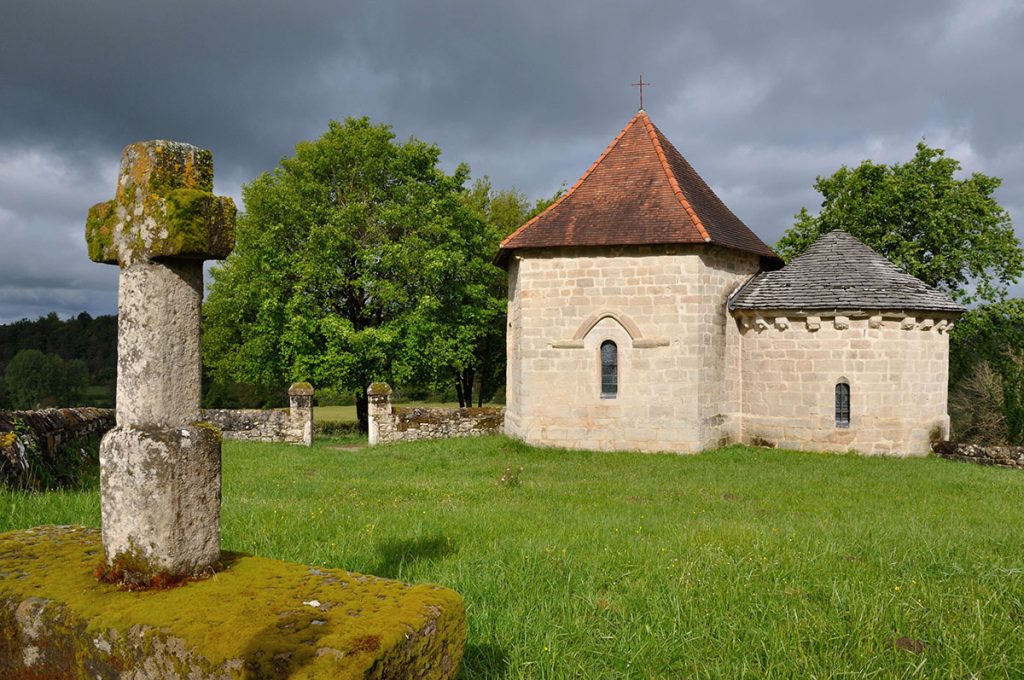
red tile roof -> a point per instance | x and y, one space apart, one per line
640 191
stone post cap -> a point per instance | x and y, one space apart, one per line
164 208
378 389
300 389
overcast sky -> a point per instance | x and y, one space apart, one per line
760 96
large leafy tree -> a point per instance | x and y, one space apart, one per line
949 232
357 260
33 379
477 307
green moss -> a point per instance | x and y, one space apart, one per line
188 213
379 389
178 166
255 611
209 427
99 232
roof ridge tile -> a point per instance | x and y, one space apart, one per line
673 182
639 192
583 177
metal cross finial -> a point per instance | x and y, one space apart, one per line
641 86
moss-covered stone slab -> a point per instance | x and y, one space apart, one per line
256 618
164 207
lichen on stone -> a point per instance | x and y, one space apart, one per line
163 208
247 620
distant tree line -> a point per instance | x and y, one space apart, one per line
53 362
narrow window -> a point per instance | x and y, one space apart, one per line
842 405
609 370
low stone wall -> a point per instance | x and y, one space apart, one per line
41 447
292 425
29 439
1003 456
401 424
49 428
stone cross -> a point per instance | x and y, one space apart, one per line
160 467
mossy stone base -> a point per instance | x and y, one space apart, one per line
258 618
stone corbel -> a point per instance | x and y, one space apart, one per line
927 324
761 324
908 323
841 323
875 321
782 323
813 323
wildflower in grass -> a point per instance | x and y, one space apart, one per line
512 477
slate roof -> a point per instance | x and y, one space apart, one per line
840 272
640 191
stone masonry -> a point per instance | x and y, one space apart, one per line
662 306
397 424
293 425
1001 456
896 366
160 467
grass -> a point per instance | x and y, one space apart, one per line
344 414
734 563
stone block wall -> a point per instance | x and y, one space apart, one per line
30 438
46 430
292 425
896 365
49 428
720 404
1002 456
661 305
389 423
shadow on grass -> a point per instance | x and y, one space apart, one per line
484 661
397 554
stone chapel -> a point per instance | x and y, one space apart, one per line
644 315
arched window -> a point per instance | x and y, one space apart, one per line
609 370
842 404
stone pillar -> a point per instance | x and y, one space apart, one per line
378 395
300 410
160 467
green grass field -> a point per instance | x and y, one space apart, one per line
346 414
734 563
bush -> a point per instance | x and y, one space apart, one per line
987 407
330 396
334 428
34 379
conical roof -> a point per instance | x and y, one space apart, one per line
840 272
640 191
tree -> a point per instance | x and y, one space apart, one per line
34 379
948 232
344 252
477 356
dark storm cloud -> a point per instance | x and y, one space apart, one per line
760 96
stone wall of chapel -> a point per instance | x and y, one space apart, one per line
513 352
722 272
896 366
665 308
